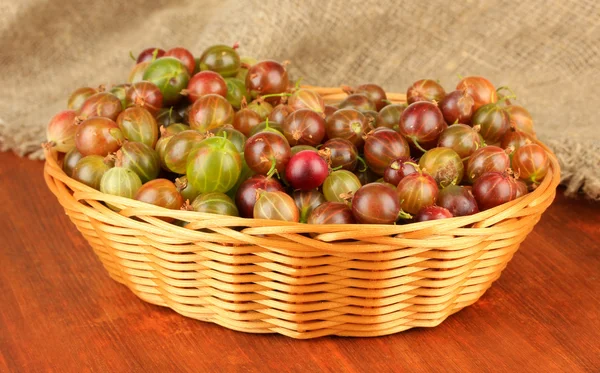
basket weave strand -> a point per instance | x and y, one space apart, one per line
264 276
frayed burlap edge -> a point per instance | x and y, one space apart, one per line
579 161
580 165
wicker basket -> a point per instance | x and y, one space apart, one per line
264 276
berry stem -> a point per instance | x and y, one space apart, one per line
272 170
364 168
417 145
404 215
284 94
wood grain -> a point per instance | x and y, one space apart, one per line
59 310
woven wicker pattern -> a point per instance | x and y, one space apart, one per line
264 276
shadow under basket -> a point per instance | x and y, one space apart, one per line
266 276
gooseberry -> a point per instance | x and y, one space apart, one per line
306 99
382 146
340 153
236 92
146 95
375 93
376 203
214 165
416 191
531 163
210 111
60 132
357 101
493 121
486 159
221 59
89 170
150 54
331 213
99 136
246 119
480 89
340 185
120 181
101 104
306 170
141 159
267 152
425 90
444 165
304 127
398 169
275 206
162 193
349 124
138 124
458 200
170 76
457 107
204 83
461 138
279 113
432 213
422 123
236 137
215 203
389 116
79 96
493 189
266 78
71 158
520 119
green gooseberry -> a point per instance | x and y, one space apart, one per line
138 124
340 185
221 59
141 159
215 203
214 165
120 181
444 165
236 91
90 169
170 76
261 107
236 137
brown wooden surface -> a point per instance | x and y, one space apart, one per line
59 310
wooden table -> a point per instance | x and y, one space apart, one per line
59 310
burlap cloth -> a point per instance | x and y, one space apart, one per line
547 51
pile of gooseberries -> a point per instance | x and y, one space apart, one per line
224 134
